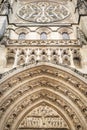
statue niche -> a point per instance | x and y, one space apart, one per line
77 59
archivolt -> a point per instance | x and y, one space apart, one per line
55 86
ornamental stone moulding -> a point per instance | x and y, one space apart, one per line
23 29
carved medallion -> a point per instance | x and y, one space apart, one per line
43 12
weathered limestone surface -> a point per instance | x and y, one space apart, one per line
43 65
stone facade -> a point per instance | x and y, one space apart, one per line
43 64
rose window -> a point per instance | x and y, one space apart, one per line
43 12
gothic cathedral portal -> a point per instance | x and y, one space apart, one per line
43 64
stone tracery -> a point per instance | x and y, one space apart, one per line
43 12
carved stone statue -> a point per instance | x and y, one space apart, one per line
81 36
81 6
5 8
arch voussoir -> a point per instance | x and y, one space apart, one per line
63 89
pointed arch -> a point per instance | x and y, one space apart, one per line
63 88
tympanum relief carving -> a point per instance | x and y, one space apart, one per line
43 117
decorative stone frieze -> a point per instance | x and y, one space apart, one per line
73 42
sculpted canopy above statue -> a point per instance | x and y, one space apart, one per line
43 12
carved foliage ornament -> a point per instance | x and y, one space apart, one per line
43 12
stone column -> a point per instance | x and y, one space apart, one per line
49 54
83 25
60 56
71 58
38 55
3 25
16 58
27 53
2 56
